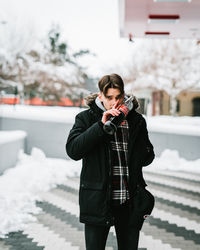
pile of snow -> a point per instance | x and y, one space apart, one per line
170 160
8 136
43 113
22 185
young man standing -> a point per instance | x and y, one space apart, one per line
112 188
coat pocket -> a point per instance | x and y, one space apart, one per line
143 200
142 205
92 198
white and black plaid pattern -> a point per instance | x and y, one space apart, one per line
119 153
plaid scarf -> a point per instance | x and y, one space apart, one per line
119 153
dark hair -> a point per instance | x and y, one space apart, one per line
111 81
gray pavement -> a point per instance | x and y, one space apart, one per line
173 225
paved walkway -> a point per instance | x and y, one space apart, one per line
174 224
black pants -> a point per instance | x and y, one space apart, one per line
127 237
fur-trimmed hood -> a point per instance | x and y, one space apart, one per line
90 100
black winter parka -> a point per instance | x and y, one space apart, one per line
88 141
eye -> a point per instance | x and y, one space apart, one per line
118 97
109 98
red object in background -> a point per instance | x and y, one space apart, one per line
66 102
165 17
35 101
156 33
9 100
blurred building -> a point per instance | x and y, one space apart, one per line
157 102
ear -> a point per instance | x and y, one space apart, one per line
100 96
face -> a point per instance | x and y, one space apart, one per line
111 97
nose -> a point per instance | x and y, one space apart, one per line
114 102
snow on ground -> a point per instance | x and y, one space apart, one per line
7 136
34 174
165 124
22 185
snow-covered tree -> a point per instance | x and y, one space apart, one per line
58 71
48 70
171 65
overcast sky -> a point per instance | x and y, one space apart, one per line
92 24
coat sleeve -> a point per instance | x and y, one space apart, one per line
82 139
148 147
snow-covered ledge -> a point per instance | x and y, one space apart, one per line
175 133
47 128
10 144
